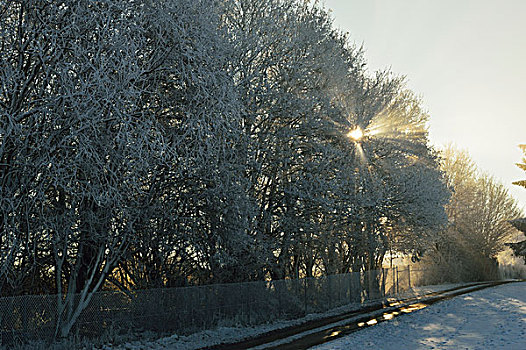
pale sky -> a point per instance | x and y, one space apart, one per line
465 58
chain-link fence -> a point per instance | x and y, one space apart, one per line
189 309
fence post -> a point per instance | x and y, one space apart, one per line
350 287
384 275
280 303
397 282
393 287
369 284
305 295
409 276
329 290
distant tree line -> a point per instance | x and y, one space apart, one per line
478 223
158 143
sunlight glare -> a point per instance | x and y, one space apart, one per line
388 316
356 134
361 153
413 307
372 322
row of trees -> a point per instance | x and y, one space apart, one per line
165 143
183 143
478 223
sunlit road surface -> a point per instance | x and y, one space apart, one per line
339 329
386 316
493 318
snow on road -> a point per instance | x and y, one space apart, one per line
493 318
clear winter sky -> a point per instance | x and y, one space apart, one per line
466 58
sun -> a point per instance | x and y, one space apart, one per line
356 134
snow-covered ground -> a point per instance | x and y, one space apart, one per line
493 318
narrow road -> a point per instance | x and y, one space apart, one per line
492 318
323 330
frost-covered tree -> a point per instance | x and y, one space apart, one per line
196 213
76 139
303 88
106 126
399 192
478 227
164 143
286 59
